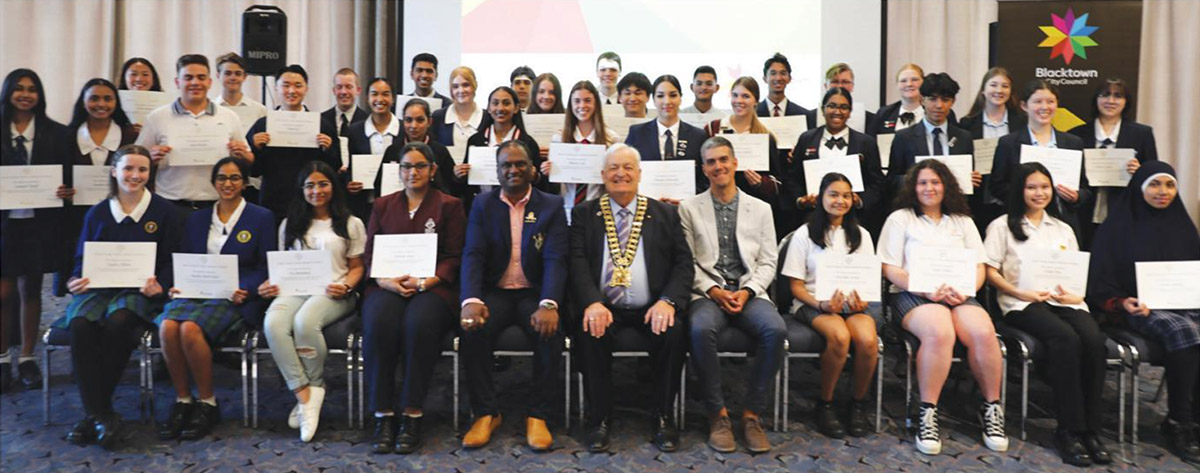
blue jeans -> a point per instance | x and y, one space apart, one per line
760 320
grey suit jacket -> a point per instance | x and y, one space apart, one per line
756 243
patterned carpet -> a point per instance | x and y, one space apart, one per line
28 446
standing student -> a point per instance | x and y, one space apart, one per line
932 212
547 95
1149 223
371 136
345 111
845 319
907 111
409 315
416 121
31 242
317 219
1056 317
994 113
106 324
608 72
634 92
502 123
189 328
840 75
584 124
231 69
934 135
423 72
521 81
668 138
454 125
764 185
704 86
139 74
777 74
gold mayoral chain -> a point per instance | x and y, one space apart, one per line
622 258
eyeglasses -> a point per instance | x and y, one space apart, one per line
236 178
411 166
519 165
837 107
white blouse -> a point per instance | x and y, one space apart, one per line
320 236
1003 252
905 230
218 232
801 261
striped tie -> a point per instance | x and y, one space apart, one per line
615 293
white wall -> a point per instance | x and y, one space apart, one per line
432 26
850 33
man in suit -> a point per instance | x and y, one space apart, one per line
514 272
655 141
632 270
732 237
777 73
346 89
424 73
934 136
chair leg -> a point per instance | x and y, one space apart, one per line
681 398
245 383
1134 399
1024 395
147 387
360 368
254 389
455 420
775 406
567 385
908 367
1121 398
879 389
581 397
46 382
787 369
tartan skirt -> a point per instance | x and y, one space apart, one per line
97 304
216 317
1176 329
905 301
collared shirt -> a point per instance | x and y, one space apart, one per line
905 231
218 232
729 258
247 109
823 151
1101 136
186 182
1100 210
1053 139
662 137
1004 252
514 276
381 140
28 134
801 261
994 129
782 106
344 117
929 127
918 116
638 295
464 131
139 210
593 190
98 152
614 99
694 109
496 139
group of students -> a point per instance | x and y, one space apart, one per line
591 260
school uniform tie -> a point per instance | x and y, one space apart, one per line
668 147
1107 143
19 151
615 293
937 142
839 142
777 110
344 130
907 118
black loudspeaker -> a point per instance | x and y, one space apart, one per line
264 39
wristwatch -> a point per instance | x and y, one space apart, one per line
548 305
420 284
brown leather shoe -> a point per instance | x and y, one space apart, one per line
537 435
756 437
720 434
481 431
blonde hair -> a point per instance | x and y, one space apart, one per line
467 74
836 69
920 72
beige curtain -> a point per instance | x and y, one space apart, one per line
948 36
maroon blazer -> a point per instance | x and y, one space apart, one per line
438 213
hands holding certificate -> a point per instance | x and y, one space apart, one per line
335 290
79 286
946 293
841 302
262 139
237 149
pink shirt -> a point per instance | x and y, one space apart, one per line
514 276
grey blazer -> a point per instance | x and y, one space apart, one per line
755 236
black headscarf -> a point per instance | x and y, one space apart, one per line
1134 231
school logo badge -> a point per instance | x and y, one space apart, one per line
430 226
243 236
151 227
1068 36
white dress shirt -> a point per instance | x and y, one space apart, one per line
801 261
905 231
823 151
218 232
918 116
381 140
464 131
662 137
98 152
1004 252
28 134
994 129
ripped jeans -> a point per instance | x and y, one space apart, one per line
293 327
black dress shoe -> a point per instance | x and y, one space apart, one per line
408 439
859 424
1181 440
1096 449
83 433
31 376
385 434
1071 449
107 429
176 420
666 438
204 418
827 420
6 379
597 439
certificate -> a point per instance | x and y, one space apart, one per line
300 273
390 183
30 186
246 116
457 153
413 254
816 169
960 167
668 179
700 120
205 276
198 143
90 183
574 163
1065 165
985 153
1168 284
344 150
849 273
787 130
434 103
1106 167
885 148
139 103
108 264
930 267
483 166
1046 269
543 126
752 150
364 168
611 111
293 129
621 123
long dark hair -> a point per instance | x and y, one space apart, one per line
487 121
558 100
954 202
80 115
156 86
1110 86
818 222
300 214
1016 198
10 85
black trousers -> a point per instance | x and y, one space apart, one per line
99 353
666 360
1075 355
507 307
395 325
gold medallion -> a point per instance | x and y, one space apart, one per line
243 236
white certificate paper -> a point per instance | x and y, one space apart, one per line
1064 164
91 184
816 169
1168 284
787 129
198 143
1106 167
108 264
139 103
364 168
985 153
960 167
885 148
205 276
621 123
847 273
293 129
543 126
700 120
300 273
752 150
483 166
413 254
457 153
930 267
575 163
1046 269
30 186
668 179
390 183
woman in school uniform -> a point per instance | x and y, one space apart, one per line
1057 317
31 242
931 211
416 119
1149 223
318 219
547 95
845 320
502 123
994 113
765 185
189 328
667 137
139 74
370 136
107 324
584 123
454 125
407 317
907 111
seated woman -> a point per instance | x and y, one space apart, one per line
932 212
1057 317
188 327
845 319
408 316
1149 223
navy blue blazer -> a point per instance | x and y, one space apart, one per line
764 109
250 239
974 123
440 130
862 144
644 138
331 116
1131 135
160 224
489 245
910 143
1008 157
886 117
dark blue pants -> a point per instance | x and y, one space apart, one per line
392 325
760 320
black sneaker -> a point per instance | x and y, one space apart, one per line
1096 449
1181 440
408 437
991 415
929 438
176 419
860 425
31 376
827 420
204 418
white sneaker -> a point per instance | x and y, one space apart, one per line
929 439
991 415
294 417
310 413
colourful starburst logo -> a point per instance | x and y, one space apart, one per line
1068 36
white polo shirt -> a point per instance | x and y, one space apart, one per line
905 231
185 182
1003 252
